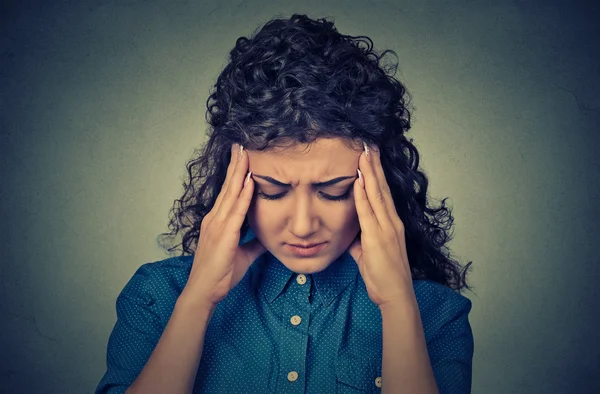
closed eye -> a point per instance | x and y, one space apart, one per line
326 196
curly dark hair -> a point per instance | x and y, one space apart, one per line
293 81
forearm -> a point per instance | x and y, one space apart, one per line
174 362
406 365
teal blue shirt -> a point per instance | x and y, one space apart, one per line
281 332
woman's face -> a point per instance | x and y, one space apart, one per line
303 213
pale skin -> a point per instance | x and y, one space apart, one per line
303 215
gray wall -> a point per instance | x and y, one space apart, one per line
103 103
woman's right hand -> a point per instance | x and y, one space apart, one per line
219 261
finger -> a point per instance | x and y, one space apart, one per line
241 204
366 215
233 188
252 249
230 169
385 188
373 190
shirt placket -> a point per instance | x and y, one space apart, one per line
294 340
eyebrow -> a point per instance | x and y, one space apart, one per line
315 184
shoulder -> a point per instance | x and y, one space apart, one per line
432 293
439 304
158 282
172 271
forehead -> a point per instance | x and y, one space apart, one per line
319 158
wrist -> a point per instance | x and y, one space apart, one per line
404 303
192 301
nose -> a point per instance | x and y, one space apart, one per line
304 221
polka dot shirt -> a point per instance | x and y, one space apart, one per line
282 332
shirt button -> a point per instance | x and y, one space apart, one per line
292 376
295 320
378 381
301 279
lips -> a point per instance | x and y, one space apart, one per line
306 252
306 245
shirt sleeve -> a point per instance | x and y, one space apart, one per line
451 347
135 334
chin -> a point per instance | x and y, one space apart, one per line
305 265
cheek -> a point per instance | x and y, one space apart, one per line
336 216
341 217
260 214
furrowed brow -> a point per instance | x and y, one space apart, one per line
315 184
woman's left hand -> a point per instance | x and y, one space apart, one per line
380 250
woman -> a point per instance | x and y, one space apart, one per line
310 258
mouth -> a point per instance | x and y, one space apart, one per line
305 245
309 250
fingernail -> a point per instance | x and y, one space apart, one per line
360 178
241 151
247 178
367 151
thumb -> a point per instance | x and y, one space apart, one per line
355 249
253 249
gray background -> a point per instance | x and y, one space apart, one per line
102 104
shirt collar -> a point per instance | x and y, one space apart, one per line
271 276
